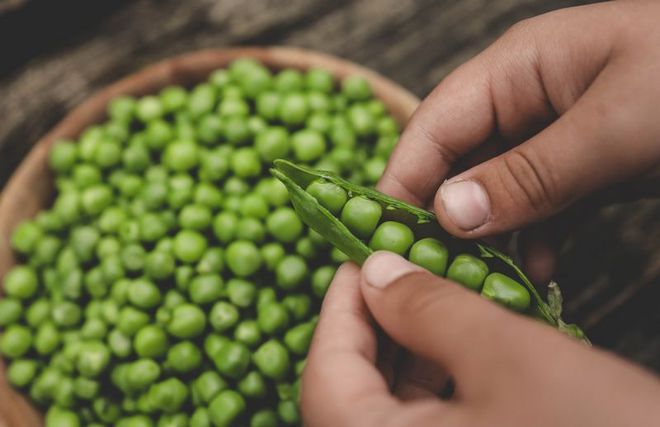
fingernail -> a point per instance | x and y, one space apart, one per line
466 203
383 268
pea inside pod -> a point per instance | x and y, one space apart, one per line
370 221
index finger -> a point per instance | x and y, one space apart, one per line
456 117
340 377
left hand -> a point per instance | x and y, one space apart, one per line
508 370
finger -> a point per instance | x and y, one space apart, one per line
340 384
500 94
440 321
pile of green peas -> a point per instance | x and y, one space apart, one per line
379 229
171 283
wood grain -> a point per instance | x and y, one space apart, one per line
17 204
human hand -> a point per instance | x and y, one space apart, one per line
563 105
508 370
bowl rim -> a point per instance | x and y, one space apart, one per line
26 192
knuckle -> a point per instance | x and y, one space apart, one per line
530 181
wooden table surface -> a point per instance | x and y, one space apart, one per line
55 54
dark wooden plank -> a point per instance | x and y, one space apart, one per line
609 268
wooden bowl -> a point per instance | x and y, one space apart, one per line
31 189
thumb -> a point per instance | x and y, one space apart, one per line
437 319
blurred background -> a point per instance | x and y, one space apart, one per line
53 54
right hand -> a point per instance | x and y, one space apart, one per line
563 105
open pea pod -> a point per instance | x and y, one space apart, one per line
507 278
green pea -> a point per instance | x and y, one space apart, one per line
236 129
274 191
392 236
21 282
93 358
235 106
245 162
243 258
208 195
200 418
288 412
250 229
38 312
468 270
58 417
188 321
268 105
214 166
212 261
272 318
232 359
213 343
308 145
272 253
321 279
223 316
195 217
361 216
136 158
373 169
272 359
159 265
284 225
25 237
355 88
248 333
94 328
254 205
150 342
168 395
298 338
120 344
181 156
329 195
144 294
107 153
290 272
320 80
252 385
241 292
208 385
184 357
21 372
338 256
65 313
62 156
205 288
175 420
83 241
294 109
299 305
224 226
431 254
201 100
506 291
226 407
133 257
289 80
10 311
142 373
272 143
264 418
189 246
158 133
131 320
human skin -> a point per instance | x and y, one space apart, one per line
562 106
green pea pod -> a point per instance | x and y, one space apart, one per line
297 178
